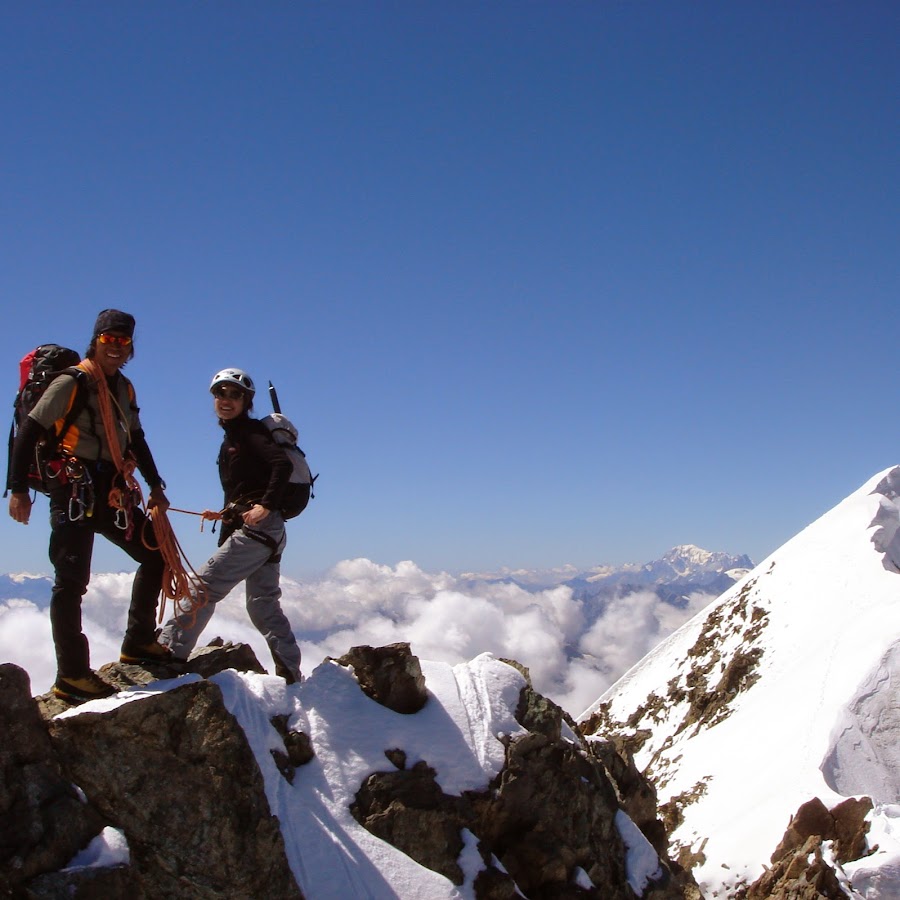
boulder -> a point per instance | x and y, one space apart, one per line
44 821
390 675
174 772
800 870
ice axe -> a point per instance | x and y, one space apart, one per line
273 394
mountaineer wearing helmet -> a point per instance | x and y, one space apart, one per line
254 472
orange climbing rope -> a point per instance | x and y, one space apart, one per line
186 590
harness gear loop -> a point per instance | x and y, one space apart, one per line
55 470
72 471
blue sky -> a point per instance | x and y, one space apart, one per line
541 283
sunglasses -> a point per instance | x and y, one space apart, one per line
226 393
121 340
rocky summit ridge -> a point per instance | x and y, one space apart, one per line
176 775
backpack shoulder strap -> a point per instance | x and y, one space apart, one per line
79 401
12 438
259 427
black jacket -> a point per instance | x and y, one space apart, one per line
252 467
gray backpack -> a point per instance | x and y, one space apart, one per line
300 489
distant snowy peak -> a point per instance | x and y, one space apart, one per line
680 574
687 565
687 561
691 554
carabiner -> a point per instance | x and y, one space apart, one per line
76 509
75 469
55 470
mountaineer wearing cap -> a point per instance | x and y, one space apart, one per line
93 491
254 471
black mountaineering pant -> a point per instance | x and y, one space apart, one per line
71 548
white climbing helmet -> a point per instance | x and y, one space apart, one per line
233 376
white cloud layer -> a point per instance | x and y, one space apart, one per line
444 619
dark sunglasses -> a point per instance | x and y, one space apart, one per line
227 393
121 340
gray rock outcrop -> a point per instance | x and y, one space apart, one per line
174 774
800 869
43 819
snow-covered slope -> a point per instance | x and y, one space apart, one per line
783 689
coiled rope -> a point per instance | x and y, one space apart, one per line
186 590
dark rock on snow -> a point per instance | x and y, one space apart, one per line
390 675
800 870
175 774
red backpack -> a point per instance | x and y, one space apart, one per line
36 370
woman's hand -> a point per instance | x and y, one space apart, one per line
255 514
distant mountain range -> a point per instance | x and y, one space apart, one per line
35 588
682 571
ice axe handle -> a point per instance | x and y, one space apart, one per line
276 406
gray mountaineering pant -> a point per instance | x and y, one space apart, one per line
243 558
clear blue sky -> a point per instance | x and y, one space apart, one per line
540 282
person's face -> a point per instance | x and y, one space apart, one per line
113 350
228 400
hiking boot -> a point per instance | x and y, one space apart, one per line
282 671
80 690
154 652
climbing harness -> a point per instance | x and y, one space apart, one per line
186 591
233 514
233 517
68 470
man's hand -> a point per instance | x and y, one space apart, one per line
211 515
157 500
255 514
20 507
